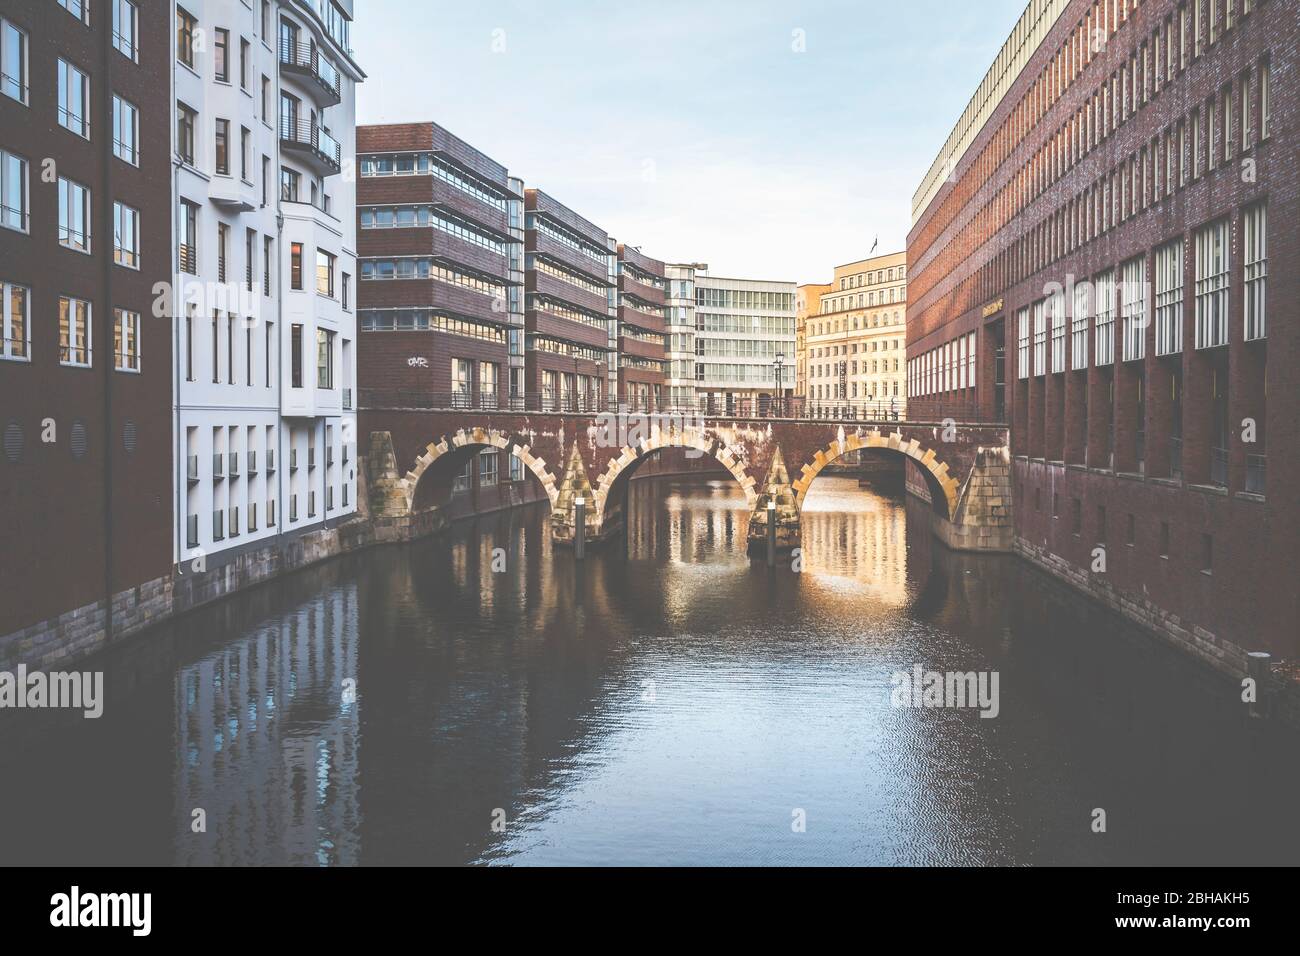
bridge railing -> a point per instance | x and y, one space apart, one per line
797 408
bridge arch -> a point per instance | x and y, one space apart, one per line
620 467
479 437
944 487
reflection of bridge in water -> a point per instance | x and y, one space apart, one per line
417 456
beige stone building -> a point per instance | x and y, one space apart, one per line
807 302
854 345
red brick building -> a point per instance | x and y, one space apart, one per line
569 275
1105 256
86 365
436 256
642 324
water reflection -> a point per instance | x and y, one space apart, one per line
667 701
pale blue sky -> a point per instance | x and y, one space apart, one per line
693 129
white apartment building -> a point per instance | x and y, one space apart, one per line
264 138
744 339
679 343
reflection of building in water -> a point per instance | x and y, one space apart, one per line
686 521
853 531
267 742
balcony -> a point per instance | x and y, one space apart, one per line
234 464
188 260
218 466
316 148
252 463
192 469
304 60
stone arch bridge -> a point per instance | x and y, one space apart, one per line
411 452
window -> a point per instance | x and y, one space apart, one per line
221 55
245 154
78 8
126 236
126 131
1055 306
185 132
15 321
1022 351
223 233
74 331
1134 308
1040 338
74 215
324 273
324 358
1105 308
189 344
1169 298
74 99
185 27
222 144
295 266
289 181
296 358
1264 105
1255 270
188 251
126 340
13 191
267 259
126 28
13 62
243 63
1079 316
487 468
1212 285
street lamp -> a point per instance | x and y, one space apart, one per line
778 366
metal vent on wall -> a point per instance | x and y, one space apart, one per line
14 442
80 443
128 437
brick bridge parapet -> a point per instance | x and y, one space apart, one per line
964 465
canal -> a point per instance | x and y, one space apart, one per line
476 698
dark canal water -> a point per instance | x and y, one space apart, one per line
670 702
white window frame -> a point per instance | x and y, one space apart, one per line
127 45
1254 232
68 190
126 117
65 347
1169 298
1212 285
1022 344
1056 307
67 70
1079 315
7 161
1104 351
1040 338
12 76
124 216
78 8
1134 308
7 350
124 319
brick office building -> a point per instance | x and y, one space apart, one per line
642 323
1090 256
86 366
439 296
569 274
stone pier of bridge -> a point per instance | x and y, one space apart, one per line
414 456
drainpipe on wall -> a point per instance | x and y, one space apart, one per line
106 200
